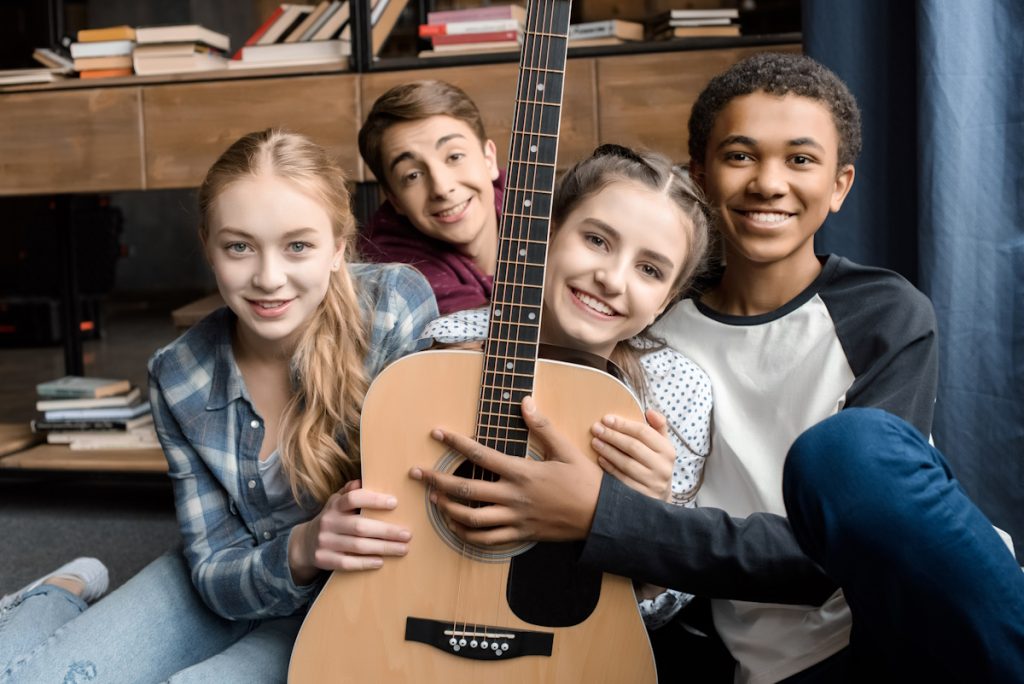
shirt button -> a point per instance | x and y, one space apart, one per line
252 484
254 424
267 535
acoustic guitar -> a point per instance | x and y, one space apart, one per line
450 611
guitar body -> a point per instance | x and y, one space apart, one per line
396 624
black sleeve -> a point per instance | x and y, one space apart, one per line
701 551
888 331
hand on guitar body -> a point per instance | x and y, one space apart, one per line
338 538
550 500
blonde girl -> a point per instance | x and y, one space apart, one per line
257 410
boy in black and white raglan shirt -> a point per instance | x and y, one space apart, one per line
833 540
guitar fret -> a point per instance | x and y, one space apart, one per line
544 70
544 34
540 102
525 216
530 163
536 133
516 188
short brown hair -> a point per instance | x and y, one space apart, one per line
412 102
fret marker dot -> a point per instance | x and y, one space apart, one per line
522 252
509 365
527 203
497 313
505 395
540 86
533 148
531 315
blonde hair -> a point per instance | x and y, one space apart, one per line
320 425
610 163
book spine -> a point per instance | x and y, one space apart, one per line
469 38
474 14
462 27
48 425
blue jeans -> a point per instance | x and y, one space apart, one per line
935 594
154 628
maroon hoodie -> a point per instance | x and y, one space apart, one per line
457 282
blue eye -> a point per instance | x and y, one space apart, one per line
298 247
237 247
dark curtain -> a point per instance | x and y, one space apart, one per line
939 197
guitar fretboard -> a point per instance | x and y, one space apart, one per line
510 353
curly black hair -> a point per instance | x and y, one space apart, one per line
777 74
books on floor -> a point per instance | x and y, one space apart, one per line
299 35
88 413
78 387
496 28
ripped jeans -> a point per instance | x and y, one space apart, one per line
154 628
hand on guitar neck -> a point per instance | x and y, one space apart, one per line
338 538
550 500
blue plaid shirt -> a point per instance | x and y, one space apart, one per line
211 435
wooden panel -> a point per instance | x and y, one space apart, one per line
645 100
70 141
189 125
492 87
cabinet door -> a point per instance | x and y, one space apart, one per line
645 100
70 141
492 87
189 125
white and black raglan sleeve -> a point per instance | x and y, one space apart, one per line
888 331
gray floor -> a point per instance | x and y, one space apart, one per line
49 518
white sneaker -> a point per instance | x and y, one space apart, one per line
89 571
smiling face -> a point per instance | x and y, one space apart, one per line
439 175
770 169
272 249
612 266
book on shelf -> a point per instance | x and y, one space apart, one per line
106 33
117 62
461 27
154 65
669 33
472 38
291 16
102 48
335 26
383 16
284 54
126 399
104 73
79 387
516 12
299 31
103 413
26 76
182 33
466 50
173 50
612 28
43 425
488 46
723 13
694 22
137 438
52 60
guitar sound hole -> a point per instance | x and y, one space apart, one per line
454 463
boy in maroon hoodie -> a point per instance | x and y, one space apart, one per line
425 143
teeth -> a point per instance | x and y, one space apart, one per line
453 211
767 217
595 304
270 305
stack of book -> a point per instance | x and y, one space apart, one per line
94 413
104 52
495 28
179 49
694 23
299 34
610 32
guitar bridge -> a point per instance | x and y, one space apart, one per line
479 642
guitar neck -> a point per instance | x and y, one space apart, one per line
510 353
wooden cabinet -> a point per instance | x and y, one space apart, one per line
137 134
